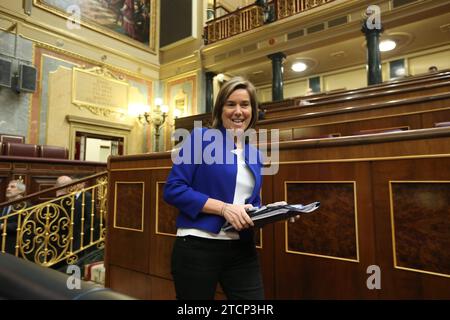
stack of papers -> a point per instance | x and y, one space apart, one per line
269 214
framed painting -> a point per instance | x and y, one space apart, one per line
130 21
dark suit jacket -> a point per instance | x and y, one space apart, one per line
77 220
11 227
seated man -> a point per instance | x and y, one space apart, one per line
62 181
82 207
15 190
77 208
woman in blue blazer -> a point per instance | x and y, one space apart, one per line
216 176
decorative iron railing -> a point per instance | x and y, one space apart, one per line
254 16
58 229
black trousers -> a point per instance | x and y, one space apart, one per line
198 264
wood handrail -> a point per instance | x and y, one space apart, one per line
368 106
326 95
368 138
46 160
339 110
385 85
329 96
222 7
332 141
230 14
358 96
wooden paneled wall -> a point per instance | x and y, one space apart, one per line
39 173
384 203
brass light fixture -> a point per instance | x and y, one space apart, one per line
157 118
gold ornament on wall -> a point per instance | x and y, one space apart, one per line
99 91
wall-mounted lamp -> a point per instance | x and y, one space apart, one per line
157 118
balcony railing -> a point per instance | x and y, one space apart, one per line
254 16
287 8
59 229
242 20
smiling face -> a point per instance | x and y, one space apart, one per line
237 110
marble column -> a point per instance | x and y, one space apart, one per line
372 33
277 75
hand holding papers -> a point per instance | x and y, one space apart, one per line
269 214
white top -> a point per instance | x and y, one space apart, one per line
245 182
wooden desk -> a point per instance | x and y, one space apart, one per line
384 203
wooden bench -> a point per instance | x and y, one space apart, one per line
365 184
381 130
439 104
321 97
442 124
361 99
391 85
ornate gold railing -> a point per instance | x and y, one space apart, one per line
242 20
287 8
254 16
58 229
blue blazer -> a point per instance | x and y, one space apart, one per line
192 182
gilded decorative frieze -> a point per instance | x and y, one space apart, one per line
99 91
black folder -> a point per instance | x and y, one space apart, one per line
269 214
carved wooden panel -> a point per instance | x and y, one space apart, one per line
128 230
421 226
331 230
5 166
128 216
4 180
39 183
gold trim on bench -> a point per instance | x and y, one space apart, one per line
421 156
157 212
142 169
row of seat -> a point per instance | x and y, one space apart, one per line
296 133
32 150
415 90
349 101
15 146
321 97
